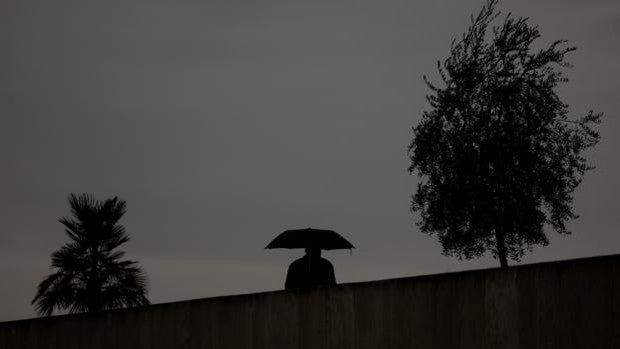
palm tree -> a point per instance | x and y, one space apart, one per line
89 274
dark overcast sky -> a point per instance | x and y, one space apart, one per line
223 123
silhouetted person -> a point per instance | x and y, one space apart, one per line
309 271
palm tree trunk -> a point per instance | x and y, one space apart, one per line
94 286
501 248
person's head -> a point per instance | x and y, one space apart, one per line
313 252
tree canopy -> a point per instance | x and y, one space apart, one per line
89 273
498 156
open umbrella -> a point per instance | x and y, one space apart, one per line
310 238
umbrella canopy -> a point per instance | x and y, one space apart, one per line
308 238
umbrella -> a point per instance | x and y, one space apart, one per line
305 238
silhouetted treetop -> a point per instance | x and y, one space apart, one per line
89 274
497 153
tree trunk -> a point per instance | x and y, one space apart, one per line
501 248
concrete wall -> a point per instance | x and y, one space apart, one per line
568 304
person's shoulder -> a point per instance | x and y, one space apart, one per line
299 261
325 262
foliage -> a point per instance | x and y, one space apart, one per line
498 155
89 274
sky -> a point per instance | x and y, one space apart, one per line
224 123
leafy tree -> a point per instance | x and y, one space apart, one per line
497 154
89 274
